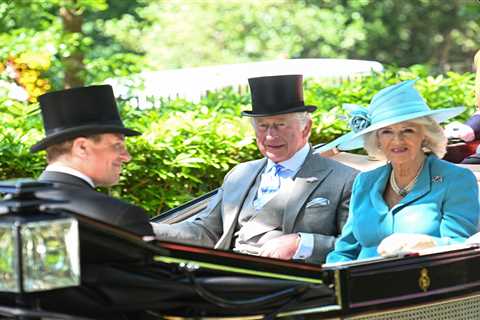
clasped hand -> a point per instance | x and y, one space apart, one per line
283 247
398 243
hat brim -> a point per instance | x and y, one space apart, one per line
355 140
292 110
72 133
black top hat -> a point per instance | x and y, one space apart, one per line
77 112
277 95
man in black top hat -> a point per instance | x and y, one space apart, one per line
85 149
292 204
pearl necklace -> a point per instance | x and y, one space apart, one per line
402 192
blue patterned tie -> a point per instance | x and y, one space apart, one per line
269 186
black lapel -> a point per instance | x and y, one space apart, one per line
60 177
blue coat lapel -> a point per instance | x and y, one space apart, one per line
376 193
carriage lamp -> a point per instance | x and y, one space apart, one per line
39 250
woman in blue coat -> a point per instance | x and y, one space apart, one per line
416 200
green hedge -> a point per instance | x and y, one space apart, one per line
187 148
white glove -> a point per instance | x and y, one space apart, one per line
474 239
459 130
398 243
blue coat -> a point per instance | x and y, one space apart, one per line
443 204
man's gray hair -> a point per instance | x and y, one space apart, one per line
302 118
435 139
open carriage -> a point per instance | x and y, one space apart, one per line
60 265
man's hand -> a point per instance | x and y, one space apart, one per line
459 130
405 242
283 247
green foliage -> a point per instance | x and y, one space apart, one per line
439 33
20 129
118 38
187 148
188 151
35 28
177 33
193 33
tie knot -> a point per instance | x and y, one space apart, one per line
278 168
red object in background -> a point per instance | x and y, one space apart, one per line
457 151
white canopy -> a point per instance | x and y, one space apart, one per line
193 83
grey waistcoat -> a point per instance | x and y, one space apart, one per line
255 227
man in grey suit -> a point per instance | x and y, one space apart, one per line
292 204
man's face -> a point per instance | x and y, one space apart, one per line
280 137
106 158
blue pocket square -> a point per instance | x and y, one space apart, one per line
318 202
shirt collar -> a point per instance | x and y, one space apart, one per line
64 169
294 163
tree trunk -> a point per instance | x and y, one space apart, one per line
444 52
73 63
453 23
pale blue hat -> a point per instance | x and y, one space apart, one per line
391 105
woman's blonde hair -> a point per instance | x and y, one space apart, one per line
435 140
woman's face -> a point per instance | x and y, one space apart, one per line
402 142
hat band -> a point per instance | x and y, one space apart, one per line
262 108
401 109
57 130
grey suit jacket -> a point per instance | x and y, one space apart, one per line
318 204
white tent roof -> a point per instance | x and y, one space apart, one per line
193 83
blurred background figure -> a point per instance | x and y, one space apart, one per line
469 131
